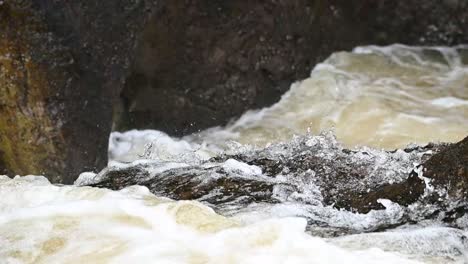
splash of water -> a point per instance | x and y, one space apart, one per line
247 212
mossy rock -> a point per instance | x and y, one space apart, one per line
30 142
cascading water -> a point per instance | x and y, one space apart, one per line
256 193
383 97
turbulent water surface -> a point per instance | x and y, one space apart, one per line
381 97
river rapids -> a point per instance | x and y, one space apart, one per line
267 187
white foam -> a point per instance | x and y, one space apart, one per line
232 165
42 223
151 144
449 102
440 243
85 178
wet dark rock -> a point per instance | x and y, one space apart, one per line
355 180
190 183
448 170
403 193
352 180
201 63
61 66
423 22
317 172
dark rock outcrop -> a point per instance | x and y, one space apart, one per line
200 63
446 171
61 64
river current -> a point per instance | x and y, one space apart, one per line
369 100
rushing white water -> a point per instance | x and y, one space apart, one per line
385 97
42 223
382 97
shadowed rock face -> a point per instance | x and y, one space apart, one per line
61 64
200 63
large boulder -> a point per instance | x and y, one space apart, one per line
200 63
61 64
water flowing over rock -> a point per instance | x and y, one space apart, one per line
261 189
315 172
